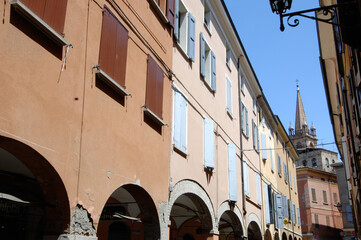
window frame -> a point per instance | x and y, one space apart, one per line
207 64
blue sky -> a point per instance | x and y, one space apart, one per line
280 58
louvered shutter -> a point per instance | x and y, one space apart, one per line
292 211
264 146
229 96
208 143
242 113
183 122
247 131
253 133
271 153
258 183
294 214
177 119
203 55
266 201
257 134
299 216
170 12
245 177
279 210
191 36
176 20
154 92
232 172
213 69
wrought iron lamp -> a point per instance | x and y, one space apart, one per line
281 6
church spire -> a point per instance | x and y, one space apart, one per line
301 120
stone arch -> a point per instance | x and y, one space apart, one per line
32 186
229 214
191 188
284 236
253 227
277 237
133 206
289 237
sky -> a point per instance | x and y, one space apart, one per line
280 58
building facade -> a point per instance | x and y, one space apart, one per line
340 65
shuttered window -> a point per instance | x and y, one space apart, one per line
271 153
207 63
313 192
170 11
324 196
258 183
279 165
208 143
113 51
279 211
299 217
180 122
264 146
50 11
245 177
266 203
229 95
335 198
154 91
232 172
244 122
184 29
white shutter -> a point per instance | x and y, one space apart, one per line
245 177
266 201
208 143
232 172
259 197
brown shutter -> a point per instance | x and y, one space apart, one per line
51 11
170 11
54 14
154 91
113 48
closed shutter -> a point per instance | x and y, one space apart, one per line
154 92
176 20
50 11
253 133
279 165
266 203
257 134
242 113
191 36
258 183
292 212
170 11
229 95
177 119
324 196
299 216
113 48
245 177
313 192
279 211
213 69
183 124
264 146
232 172
203 55
208 143
247 131
271 153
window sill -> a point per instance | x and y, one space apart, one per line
38 22
182 51
207 28
229 65
325 203
113 84
314 201
159 11
207 85
229 114
154 117
179 151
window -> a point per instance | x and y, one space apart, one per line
285 172
271 154
113 53
259 197
184 29
335 198
164 7
242 82
228 55
313 192
314 162
317 225
264 146
279 165
48 16
304 162
229 96
324 196
180 122
232 172
327 163
255 136
208 143
245 178
254 106
154 91
244 120
207 15
208 64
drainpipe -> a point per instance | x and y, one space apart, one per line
241 145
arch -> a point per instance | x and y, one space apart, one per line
253 227
267 235
314 162
134 207
295 238
284 236
277 237
229 221
32 186
289 237
304 163
193 190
